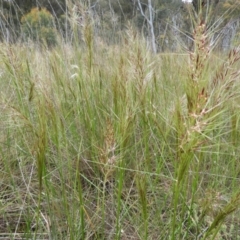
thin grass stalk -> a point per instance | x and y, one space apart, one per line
120 177
188 131
219 219
41 149
142 189
79 189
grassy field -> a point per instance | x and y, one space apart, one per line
113 142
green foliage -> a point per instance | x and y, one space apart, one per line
38 25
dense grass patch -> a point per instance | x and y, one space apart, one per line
114 142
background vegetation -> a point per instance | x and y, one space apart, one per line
101 138
169 21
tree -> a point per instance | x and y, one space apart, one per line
11 12
150 22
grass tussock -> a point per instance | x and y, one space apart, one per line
102 142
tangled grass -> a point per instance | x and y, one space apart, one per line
104 142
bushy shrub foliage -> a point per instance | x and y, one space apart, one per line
38 26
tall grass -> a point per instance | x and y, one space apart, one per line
103 142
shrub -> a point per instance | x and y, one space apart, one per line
38 26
